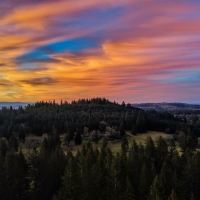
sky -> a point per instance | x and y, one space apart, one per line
124 50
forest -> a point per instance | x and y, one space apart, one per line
157 170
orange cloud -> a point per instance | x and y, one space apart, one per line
138 53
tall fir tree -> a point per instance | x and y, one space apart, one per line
16 184
71 186
122 129
134 130
173 195
77 137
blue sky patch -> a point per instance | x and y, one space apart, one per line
184 76
72 46
34 56
42 53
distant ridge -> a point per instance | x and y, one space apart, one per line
167 106
14 105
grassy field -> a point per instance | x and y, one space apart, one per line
141 138
114 145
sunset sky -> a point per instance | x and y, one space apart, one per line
131 50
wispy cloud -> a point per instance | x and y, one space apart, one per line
128 50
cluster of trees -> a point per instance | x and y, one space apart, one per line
69 117
152 171
188 116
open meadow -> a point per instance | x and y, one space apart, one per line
115 145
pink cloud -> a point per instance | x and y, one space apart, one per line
139 45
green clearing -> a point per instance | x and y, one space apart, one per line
115 145
141 138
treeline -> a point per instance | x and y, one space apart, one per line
152 171
68 117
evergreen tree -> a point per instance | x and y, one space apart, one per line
22 134
141 125
173 196
71 181
192 197
77 137
150 150
16 185
122 129
50 142
146 178
161 186
161 152
191 176
129 192
87 180
101 174
1 175
13 143
154 191
57 168
134 130
55 137
4 148
41 175
115 178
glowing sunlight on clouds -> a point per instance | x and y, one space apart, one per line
137 51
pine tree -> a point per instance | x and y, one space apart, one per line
16 185
150 150
55 138
41 174
57 168
100 173
71 181
115 178
22 134
129 192
78 138
191 176
134 166
87 179
122 129
1 175
161 186
161 152
154 191
134 130
139 127
13 143
192 197
173 196
4 148
146 178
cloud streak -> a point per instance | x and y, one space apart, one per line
137 51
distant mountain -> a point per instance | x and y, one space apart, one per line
166 106
14 105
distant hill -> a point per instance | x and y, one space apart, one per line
166 106
14 105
